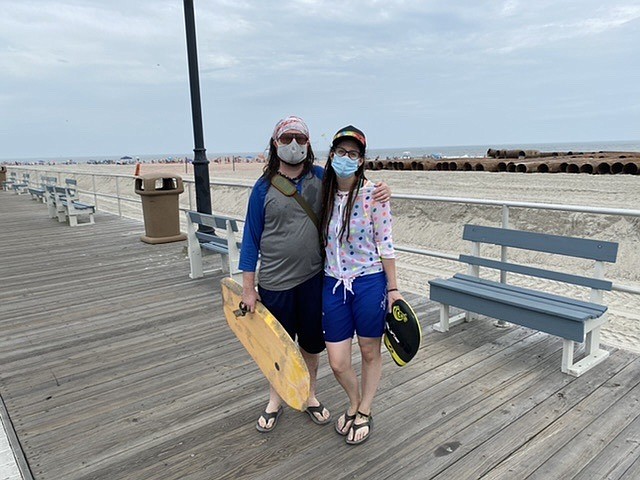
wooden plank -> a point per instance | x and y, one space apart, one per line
617 457
537 272
127 370
543 242
581 394
572 441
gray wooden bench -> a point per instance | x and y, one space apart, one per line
571 319
7 184
64 203
201 243
22 186
13 178
39 193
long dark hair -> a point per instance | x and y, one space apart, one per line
329 190
273 162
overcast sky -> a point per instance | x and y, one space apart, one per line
110 77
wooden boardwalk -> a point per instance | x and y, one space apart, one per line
114 365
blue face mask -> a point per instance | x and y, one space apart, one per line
344 166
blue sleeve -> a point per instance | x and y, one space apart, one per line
318 171
253 227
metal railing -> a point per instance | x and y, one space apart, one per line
505 206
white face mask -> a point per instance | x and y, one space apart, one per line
293 154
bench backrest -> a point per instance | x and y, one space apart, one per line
48 181
598 250
542 242
213 221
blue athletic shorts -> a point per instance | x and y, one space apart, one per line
362 311
299 310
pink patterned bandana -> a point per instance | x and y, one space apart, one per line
290 123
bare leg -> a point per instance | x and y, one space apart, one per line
371 374
312 360
340 361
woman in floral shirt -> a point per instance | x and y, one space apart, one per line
360 277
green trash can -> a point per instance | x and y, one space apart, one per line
160 194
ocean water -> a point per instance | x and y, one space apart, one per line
444 151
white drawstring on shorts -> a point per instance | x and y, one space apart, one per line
347 283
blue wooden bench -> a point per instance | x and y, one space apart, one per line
569 318
200 243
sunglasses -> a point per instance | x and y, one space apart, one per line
287 138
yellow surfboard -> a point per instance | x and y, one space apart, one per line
269 345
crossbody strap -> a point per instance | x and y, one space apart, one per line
286 187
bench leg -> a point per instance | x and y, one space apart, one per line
443 326
594 354
447 322
195 261
567 355
225 263
73 221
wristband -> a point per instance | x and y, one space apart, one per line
392 290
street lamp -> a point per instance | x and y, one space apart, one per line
200 162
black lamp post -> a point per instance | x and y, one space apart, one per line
200 162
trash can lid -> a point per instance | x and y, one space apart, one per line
158 184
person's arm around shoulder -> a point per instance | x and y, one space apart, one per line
382 192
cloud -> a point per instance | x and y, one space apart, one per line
372 60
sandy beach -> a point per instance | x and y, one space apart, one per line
437 226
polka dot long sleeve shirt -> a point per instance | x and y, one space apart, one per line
370 238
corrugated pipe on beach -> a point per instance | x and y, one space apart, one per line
617 167
403 165
423 165
513 153
631 168
488 166
494 153
551 154
603 168
531 167
588 167
506 167
547 167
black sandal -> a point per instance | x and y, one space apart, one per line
318 409
268 416
347 418
355 427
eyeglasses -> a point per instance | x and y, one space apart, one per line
352 154
287 138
